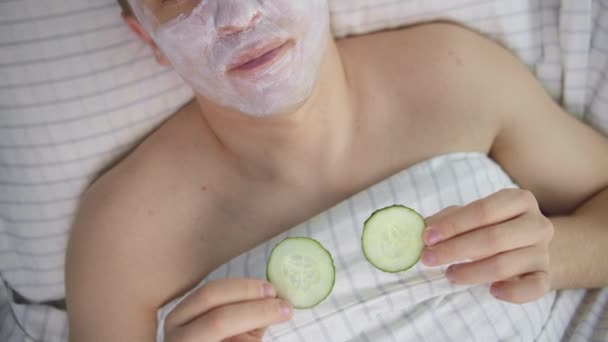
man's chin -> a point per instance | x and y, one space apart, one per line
258 101
272 106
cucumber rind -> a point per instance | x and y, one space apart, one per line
366 230
324 250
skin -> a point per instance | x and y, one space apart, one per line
211 184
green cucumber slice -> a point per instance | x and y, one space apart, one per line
392 238
302 271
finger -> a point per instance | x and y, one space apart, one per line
499 207
258 333
252 336
523 289
526 230
500 267
236 319
442 213
217 293
431 236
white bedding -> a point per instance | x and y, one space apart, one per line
419 304
77 90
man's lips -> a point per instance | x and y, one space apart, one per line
257 56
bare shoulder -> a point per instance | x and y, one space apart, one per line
425 53
434 72
133 227
462 85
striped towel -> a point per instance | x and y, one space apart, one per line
77 90
419 304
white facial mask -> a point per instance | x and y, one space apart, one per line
283 40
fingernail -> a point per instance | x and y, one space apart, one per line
449 273
428 258
285 309
268 290
495 290
432 236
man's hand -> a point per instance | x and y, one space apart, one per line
505 237
227 310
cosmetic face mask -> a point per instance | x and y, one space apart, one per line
260 57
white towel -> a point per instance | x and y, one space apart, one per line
419 304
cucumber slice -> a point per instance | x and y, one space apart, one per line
392 238
302 271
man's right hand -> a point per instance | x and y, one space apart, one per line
228 309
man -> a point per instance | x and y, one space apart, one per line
286 124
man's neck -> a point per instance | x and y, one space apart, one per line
295 146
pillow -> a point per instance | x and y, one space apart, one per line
78 90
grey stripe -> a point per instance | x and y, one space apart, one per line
577 322
558 319
411 322
267 251
64 331
297 331
14 86
11 333
6 313
40 202
115 150
336 242
379 285
317 319
370 268
319 322
494 189
547 327
45 321
597 89
58 15
83 178
246 265
44 235
442 205
271 335
540 315
363 335
120 44
308 228
228 269
461 200
26 253
411 17
345 319
226 275
85 96
38 270
130 124
78 34
98 113
378 5
63 217
414 184
428 282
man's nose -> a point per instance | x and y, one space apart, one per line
236 16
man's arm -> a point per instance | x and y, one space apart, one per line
562 165
578 250
562 161
130 249
107 286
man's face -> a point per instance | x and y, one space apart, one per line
258 56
